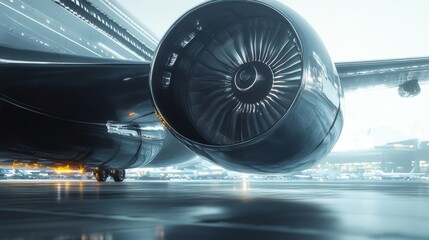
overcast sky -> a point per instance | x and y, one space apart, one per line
352 30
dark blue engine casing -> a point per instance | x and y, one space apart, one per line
248 85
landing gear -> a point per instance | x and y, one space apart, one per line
101 174
118 174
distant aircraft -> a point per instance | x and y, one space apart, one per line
393 175
245 84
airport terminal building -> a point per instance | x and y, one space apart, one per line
398 157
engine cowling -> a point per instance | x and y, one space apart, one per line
248 85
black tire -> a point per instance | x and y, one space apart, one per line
101 175
118 175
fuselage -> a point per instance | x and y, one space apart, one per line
63 99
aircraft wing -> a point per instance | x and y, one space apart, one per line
406 74
230 81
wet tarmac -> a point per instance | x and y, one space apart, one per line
214 210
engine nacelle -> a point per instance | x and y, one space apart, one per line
248 85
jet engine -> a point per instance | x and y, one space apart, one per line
249 85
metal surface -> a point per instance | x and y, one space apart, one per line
247 84
68 113
382 74
92 93
80 28
238 125
215 210
65 98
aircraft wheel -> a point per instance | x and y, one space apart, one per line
101 175
118 175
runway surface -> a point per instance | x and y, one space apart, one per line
214 210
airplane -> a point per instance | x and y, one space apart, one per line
380 174
245 84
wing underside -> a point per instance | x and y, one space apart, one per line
405 74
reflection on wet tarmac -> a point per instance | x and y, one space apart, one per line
214 210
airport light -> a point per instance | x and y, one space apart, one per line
67 170
25 165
